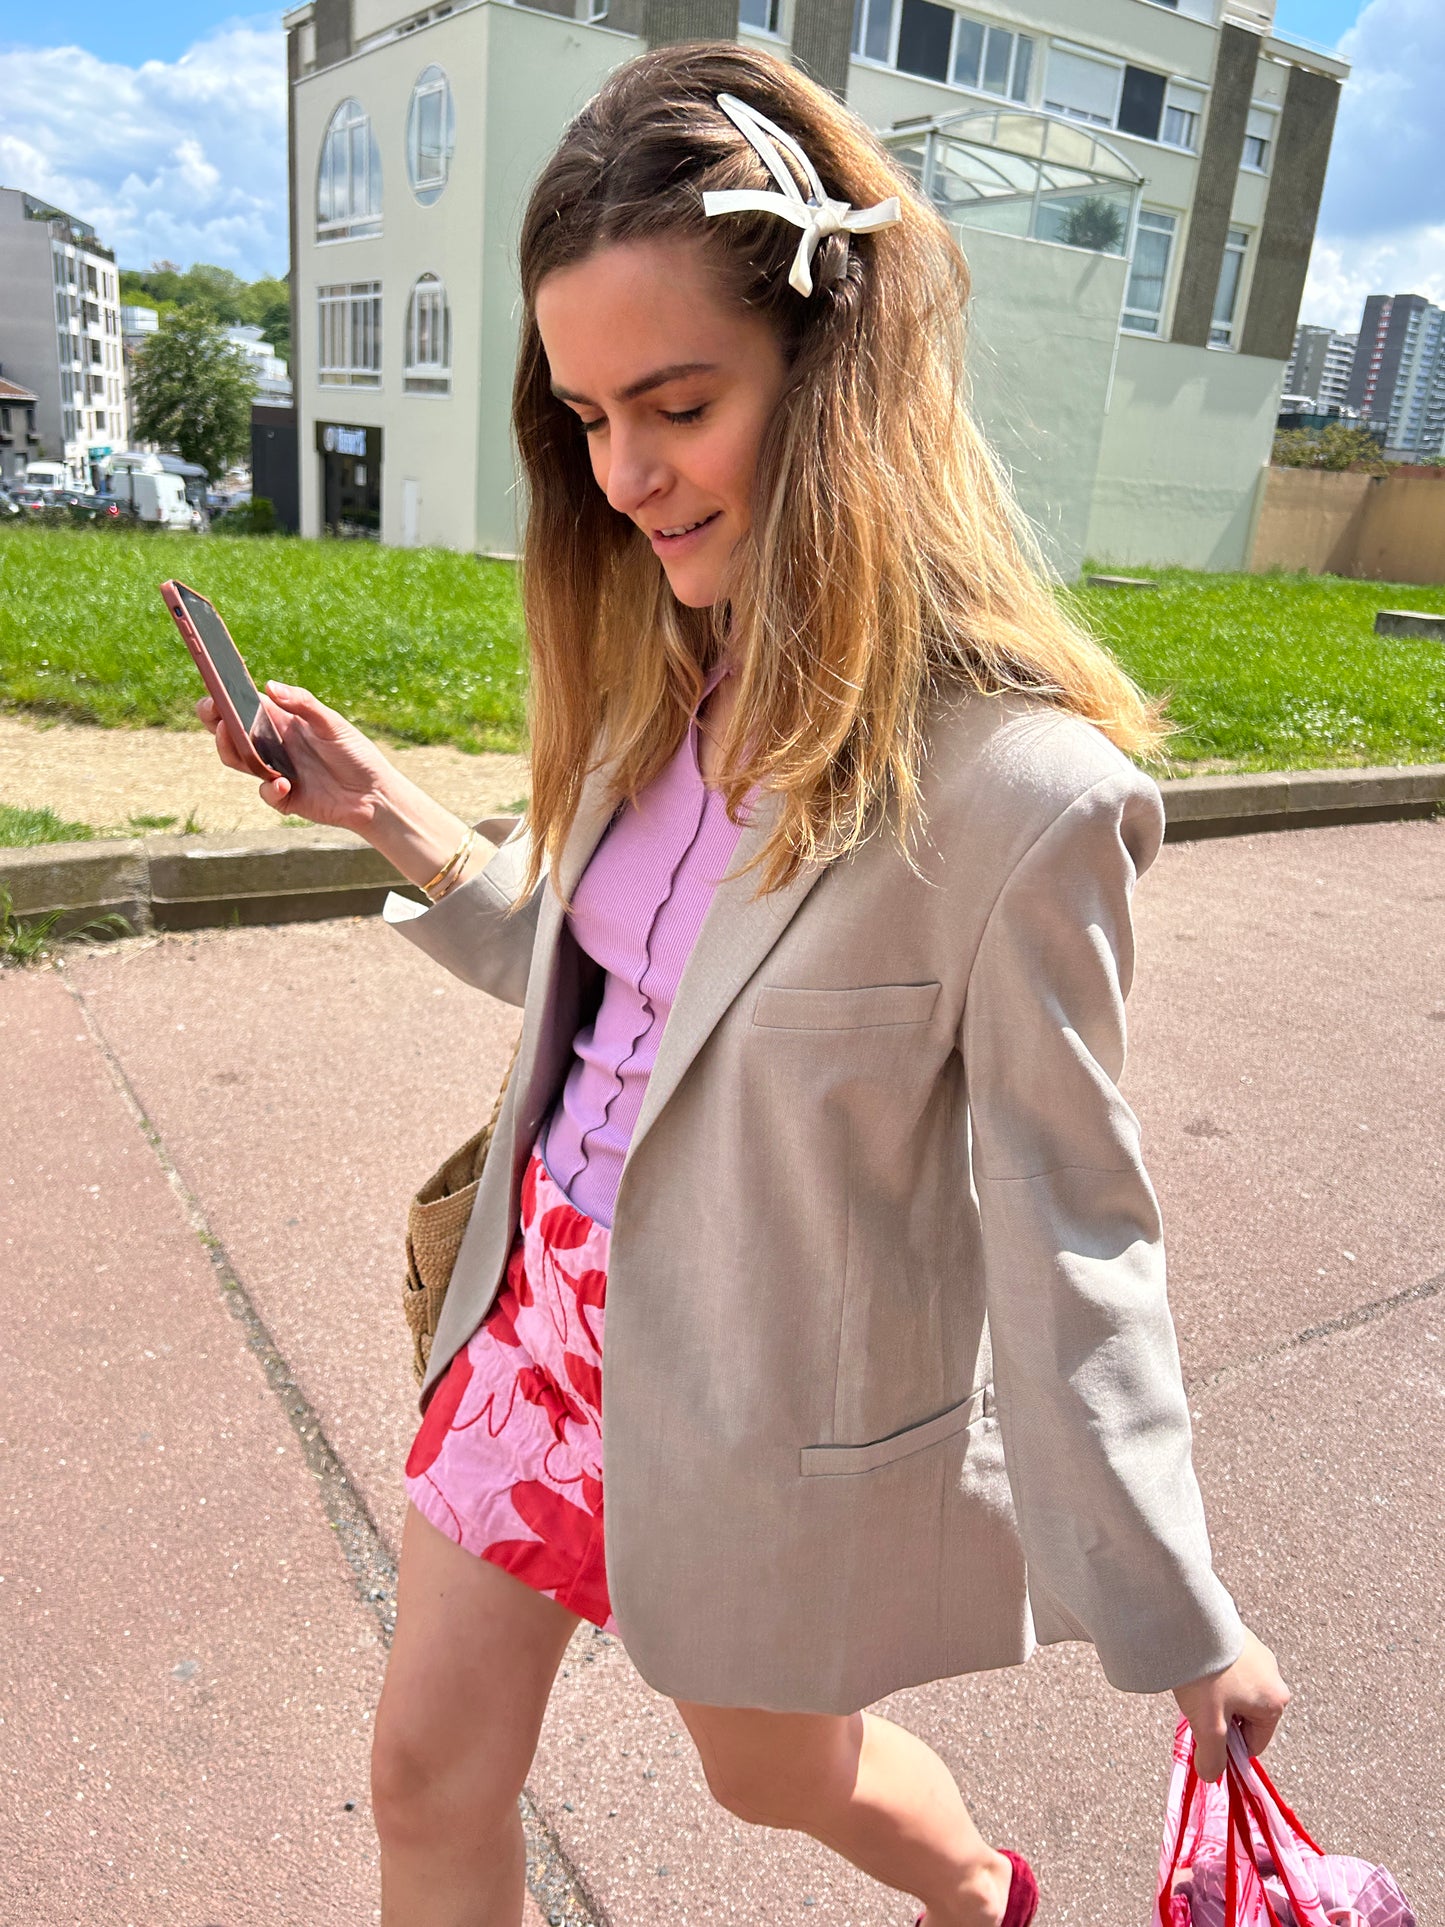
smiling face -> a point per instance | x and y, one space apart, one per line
674 389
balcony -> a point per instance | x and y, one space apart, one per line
1011 171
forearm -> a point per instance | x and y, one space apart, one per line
415 833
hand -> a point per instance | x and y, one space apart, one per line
339 771
1250 1691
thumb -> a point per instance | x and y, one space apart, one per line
292 696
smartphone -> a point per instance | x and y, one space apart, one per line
228 680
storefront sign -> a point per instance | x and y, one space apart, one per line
337 438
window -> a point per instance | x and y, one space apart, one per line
1148 272
428 339
349 315
1258 138
1106 93
939 43
1231 273
1183 116
1083 88
761 15
429 135
348 186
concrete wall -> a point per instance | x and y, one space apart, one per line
1043 324
1187 433
1378 528
1309 519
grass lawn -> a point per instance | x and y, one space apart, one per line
1263 672
1278 671
414 646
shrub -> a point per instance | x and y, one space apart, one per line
256 517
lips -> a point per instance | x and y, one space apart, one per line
679 529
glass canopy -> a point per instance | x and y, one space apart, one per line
1021 173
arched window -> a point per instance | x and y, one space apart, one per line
428 339
429 135
348 186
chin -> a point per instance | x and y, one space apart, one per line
694 595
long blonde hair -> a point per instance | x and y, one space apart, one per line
886 559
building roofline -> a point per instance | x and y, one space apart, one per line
1304 53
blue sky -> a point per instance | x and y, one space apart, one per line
163 124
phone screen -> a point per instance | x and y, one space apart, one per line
224 654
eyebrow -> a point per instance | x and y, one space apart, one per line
648 382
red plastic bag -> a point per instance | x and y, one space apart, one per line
1235 1856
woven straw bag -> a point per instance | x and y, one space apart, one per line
436 1222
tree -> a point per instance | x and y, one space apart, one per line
1338 445
192 391
1093 223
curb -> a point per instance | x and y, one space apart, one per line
1298 799
201 882
209 882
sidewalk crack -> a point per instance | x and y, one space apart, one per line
1347 1321
554 1882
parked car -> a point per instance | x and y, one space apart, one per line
10 509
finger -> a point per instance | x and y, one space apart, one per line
1258 1732
275 791
206 710
1210 1753
297 701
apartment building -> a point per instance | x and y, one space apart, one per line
1398 378
1135 184
60 332
1320 367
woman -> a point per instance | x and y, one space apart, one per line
820 922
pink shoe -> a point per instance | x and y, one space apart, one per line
1023 1893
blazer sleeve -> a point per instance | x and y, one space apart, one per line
468 931
1090 1400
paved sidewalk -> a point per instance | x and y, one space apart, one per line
207 1149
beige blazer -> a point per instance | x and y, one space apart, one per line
891 1388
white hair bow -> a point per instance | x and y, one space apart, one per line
816 216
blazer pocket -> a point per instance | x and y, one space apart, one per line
789 1007
828 1461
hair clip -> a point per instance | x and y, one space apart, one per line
817 216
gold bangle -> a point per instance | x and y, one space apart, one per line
451 870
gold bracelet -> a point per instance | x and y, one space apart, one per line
451 870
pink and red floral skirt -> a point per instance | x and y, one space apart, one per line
508 1459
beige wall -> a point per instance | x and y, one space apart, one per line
1378 528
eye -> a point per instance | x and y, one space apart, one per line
687 414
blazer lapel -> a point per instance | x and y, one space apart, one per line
735 937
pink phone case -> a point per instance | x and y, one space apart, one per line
240 736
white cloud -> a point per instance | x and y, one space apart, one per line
1382 225
180 160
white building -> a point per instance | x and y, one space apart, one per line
1319 369
273 378
60 332
1134 182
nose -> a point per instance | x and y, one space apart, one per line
635 470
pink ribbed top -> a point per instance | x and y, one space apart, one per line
636 910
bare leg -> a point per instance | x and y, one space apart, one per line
466 1687
872 1792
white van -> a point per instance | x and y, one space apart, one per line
47 475
159 497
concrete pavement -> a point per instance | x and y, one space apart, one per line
208 1145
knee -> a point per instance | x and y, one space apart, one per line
424 1788
773 1775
